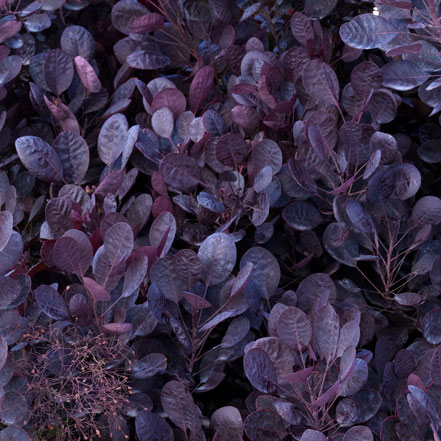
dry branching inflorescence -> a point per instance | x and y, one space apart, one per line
72 380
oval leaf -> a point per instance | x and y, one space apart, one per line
39 158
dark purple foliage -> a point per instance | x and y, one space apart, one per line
220 220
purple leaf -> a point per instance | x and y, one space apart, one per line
73 252
180 171
187 267
149 366
430 152
368 31
76 40
436 366
200 87
148 58
427 210
349 336
118 242
58 71
302 215
8 29
117 328
51 303
326 332
265 425
171 98
112 138
236 331
294 328
372 164
180 407
162 122
135 274
14 433
10 67
359 217
147 23
313 435
87 75
13 409
39 158
196 302
10 289
299 376
62 114
267 152
227 422
124 14
301 28
321 82
97 292
317 9
6 223
383 106
151 427
365 77
59 215
265 272
213 123
231 150
403 75
3 352
323 399
163 229
73 152
260 370
218 257
11 253
432 326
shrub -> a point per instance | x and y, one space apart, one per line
220 220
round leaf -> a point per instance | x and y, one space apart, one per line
151 427
217 254
260 370
58 71
321 82
265 273
302 215
367 31
87 75
294 328
74 156
119 241
179 405
200 87
162 122
427 210
227 421
39 158
51 303
76 40
403 75
265 425
231 150
148 366
73 252
180 171
432 326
